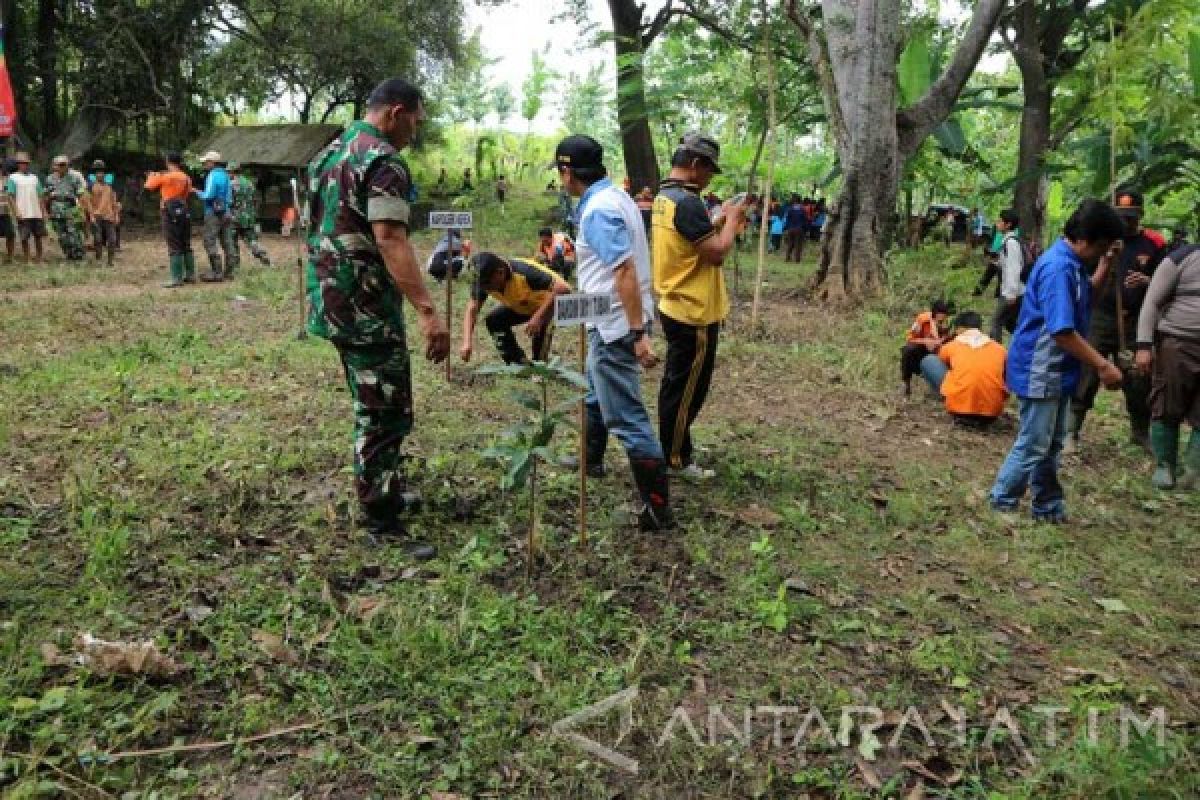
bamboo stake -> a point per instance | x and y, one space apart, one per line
771 120
583 462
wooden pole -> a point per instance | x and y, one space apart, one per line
583 464
303 332
449 305
762 231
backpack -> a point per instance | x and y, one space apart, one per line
1029 256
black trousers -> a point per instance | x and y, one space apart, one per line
910 360
500 323
687 375
177 230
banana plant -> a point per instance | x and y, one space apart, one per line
527 444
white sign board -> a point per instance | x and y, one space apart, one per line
450 219
580 309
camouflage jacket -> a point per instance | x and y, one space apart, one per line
65 190
358 179
245 211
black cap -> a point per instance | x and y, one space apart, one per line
546 232
704 146
579 152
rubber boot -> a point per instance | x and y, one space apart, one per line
654 507
217 274
189 267
1164 438
597 443
176 273
1191 462
1074 429
383 524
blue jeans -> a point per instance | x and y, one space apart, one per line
1033 460
614 398
934 371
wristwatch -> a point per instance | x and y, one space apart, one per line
638 334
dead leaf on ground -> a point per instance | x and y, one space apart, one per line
762 517
275 647
366 608
870 776
124 658
446 796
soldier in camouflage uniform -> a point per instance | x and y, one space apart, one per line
64 189
245 216
361 266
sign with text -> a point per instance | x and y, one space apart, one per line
450 219
580 309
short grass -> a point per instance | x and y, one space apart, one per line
174 467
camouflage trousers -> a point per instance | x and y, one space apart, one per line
380 382
249 235
218 237
65 220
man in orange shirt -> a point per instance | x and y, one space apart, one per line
175 187
969 372
926 335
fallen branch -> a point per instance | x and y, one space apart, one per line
200 747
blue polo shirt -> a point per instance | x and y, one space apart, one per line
1058 299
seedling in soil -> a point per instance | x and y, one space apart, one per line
527 443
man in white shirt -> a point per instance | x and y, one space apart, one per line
1012 288
25 190
613 258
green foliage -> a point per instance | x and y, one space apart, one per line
533 91
529 440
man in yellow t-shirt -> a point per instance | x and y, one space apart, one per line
688 251
525 291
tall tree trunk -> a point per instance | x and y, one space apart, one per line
1029 195
854 53
83 130
47 65
636 139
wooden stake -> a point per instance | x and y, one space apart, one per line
583 463
762 230
449 309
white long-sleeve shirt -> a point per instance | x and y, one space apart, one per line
1012 261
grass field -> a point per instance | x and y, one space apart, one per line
174 467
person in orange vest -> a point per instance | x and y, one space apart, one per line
926 335
968 371
556 251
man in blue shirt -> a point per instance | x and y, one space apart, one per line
218 221
795 228
1048 351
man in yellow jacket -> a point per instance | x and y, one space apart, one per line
688 252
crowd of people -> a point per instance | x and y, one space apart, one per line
78 209
1072 313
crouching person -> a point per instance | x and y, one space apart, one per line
614 259
525 291
926 335
968 371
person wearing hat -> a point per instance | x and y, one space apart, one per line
65 188
361 267
688 252
218 221
24 190
103 212
525 291
614 259
175 189
245 216
1141 252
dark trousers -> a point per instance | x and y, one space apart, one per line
776 241
1103 336
910 360
178 233
1175 390
1005 318
687 375
500 323
794 240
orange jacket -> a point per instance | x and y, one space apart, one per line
975 383
924 327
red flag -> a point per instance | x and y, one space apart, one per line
8 109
